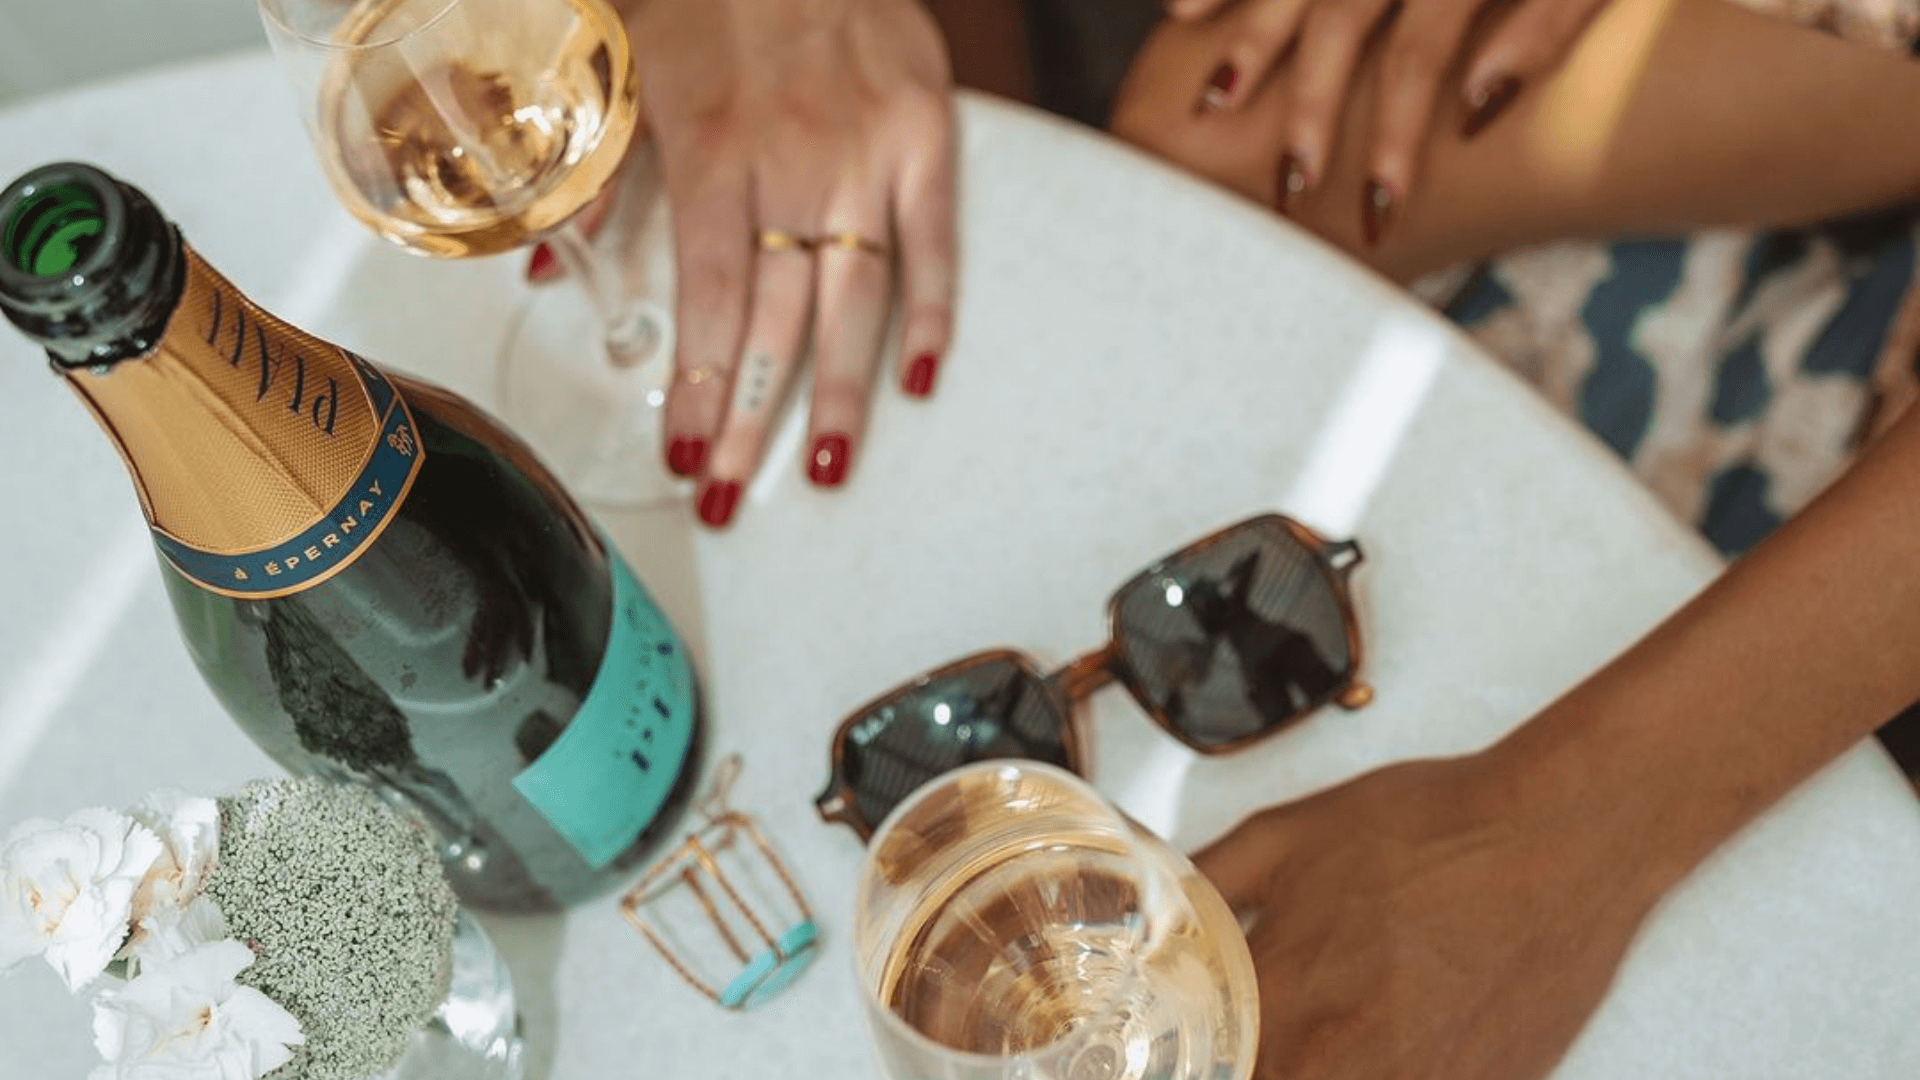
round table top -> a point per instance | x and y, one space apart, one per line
1139 359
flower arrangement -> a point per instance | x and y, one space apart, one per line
300 930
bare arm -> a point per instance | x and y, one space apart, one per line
1669 115
1461 919
1795 654
987 44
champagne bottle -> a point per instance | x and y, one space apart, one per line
380 584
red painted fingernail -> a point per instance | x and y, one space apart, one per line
919 380
1294 181
1220 87
1488 103
542 266
828 466
1377 213
685 456
717 502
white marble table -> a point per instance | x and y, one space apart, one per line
1138 360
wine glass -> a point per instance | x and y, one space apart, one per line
460 128
1013 925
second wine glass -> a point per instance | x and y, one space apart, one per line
1014 925
461 128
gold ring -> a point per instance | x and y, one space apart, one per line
852 241
696 376
782 240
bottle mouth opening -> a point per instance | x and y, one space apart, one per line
88 267
57 222
53 230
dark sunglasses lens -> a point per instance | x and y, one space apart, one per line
1235 638
996 708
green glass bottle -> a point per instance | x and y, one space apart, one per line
380 583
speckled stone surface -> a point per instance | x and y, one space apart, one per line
1138 360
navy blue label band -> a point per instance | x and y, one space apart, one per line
337 538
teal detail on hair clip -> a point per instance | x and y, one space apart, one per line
774 969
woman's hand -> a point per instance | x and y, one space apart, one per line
1414 923
805 144
1423 45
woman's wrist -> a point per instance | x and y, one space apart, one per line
1607 802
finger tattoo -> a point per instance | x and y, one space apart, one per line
753 388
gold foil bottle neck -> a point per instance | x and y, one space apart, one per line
242 432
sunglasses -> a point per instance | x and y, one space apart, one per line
1222 643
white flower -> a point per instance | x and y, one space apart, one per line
66 890
167 931
189 826
186 1019
169 916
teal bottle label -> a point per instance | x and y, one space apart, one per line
604 780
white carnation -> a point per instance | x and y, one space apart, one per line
189 826
186 1019
167 931
169 916
66 890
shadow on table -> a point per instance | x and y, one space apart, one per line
531 946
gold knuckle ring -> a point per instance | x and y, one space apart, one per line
852 241
782 240
698 375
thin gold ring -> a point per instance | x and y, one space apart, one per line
852 241
696 376
782 240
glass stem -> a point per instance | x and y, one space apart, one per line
632 336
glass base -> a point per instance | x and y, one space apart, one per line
595 423
476 1034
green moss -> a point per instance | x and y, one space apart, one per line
346 907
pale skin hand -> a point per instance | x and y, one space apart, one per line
1460 919
813 118
1506 46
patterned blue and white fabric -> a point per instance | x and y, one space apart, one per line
1733 371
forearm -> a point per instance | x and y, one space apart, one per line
1792 656
987 43
1676 114
1670 115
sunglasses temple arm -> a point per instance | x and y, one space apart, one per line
1343 555
1080 679
836 807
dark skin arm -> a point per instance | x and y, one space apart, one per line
987 45
1461 919
1669 115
